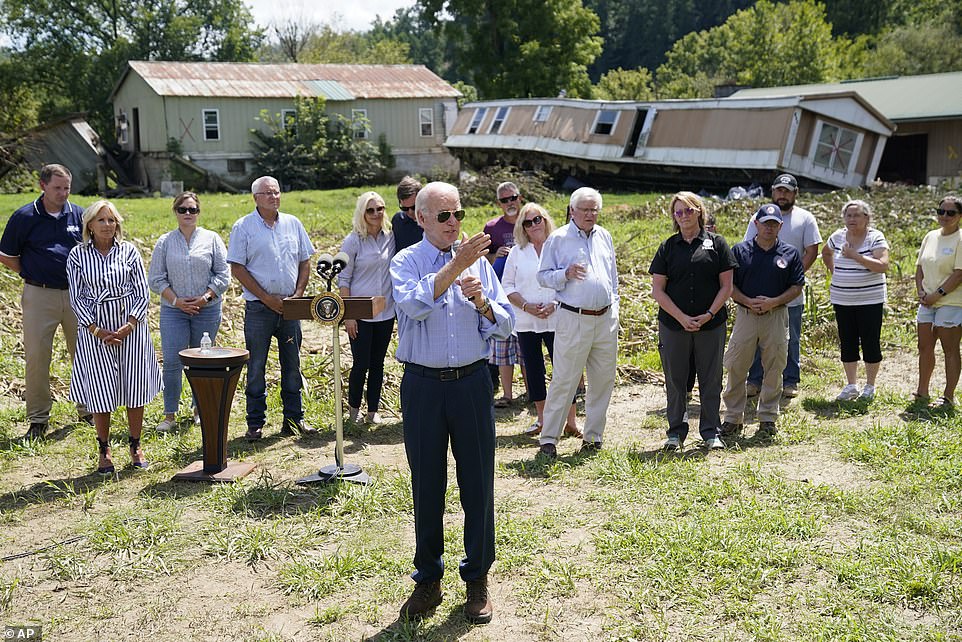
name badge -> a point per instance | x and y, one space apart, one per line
708 244
781 262
73 229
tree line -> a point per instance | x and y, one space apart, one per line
64 56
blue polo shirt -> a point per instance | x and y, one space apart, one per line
767 272
406 231
43 242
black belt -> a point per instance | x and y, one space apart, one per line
445 374
44 285
591 313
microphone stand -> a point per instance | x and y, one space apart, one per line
328 268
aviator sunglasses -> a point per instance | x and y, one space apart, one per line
445 215
532 221
188 210
371 210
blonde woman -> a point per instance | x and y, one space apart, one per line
115 364
370 248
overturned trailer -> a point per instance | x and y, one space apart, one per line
828 141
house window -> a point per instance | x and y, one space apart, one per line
479 114
835 148
499 118
236 166
360 123
605 122
288 118
541 113
426 121
211 124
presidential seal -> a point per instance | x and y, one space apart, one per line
328 308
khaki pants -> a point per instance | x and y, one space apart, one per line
769 332
43 310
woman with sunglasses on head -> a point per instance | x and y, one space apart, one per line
938 273
189 271
857 257
692 275
534 307
370 248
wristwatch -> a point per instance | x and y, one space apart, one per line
941 291
484 308
208 297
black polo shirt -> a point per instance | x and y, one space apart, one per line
767 272
43 242
406 230
692 270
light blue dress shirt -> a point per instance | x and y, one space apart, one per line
568 245
368 272
446 332
189 269
271 254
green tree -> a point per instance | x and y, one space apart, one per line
916 49
73 52
764 46
625 84
512 48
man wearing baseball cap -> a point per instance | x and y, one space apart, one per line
769 275
800 230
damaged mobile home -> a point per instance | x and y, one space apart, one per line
827 140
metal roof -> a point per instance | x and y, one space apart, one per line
252 80
899 98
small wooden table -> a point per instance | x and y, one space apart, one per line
213 377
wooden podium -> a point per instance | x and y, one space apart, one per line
213 377
331 309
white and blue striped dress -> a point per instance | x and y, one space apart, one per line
106 291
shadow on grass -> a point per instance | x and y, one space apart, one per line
540 466
832 408
920 409
454 627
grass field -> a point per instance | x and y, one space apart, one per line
846 527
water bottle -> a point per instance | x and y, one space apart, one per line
584 261
205 343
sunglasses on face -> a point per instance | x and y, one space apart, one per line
406 208
188 210
942 212
685 211
445 215
509 199
532 221
379 209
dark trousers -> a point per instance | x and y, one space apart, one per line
369 350
261 325
434 411
677 347
530 344
859 324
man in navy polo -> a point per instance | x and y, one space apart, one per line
769 275
35 245
404 225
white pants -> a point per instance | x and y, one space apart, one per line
581 341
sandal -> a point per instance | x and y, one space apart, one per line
942 403
917 398
572 431
108 467
534 429
137 459
503 402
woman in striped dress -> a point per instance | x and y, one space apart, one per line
857 256
115 363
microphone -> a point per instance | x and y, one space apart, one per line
324 264
340 261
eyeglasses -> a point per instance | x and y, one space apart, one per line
371 210
188 210
406 208
589 210
509 199
532 221
445 215
273 192
685 211
942 212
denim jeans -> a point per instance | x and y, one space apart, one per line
178 331
792 374
261 324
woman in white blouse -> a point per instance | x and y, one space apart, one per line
857 256
370 248
535 306
189 271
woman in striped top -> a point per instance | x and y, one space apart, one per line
857 256
115 363
188 269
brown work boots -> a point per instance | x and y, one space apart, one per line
427 595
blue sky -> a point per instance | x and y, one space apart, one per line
356 15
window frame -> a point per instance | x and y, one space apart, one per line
210 127
542 113
500 115
429 111
289 119
598 122
479 115
362 133
836 153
